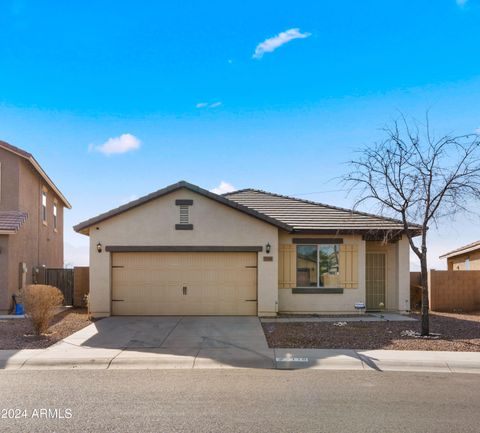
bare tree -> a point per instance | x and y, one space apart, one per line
414 176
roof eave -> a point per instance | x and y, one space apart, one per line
459 253
343 231
47 179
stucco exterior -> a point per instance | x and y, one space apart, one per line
290 302
152 225
35 244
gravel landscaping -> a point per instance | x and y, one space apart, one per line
18 333
457 332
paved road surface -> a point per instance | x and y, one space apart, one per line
241 401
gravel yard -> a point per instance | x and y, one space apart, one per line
458 332
18 333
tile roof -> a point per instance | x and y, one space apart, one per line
304 215
462 250
287 213
11 221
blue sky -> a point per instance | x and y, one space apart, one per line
271 95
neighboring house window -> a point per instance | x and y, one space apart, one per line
318 265
467 264
44 206
55 216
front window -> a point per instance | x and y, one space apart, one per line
318 265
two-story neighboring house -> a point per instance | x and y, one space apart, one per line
31 222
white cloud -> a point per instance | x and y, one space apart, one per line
122 144
271 44
477 131
223 188
208 104
462 2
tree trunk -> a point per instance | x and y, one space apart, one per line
424 283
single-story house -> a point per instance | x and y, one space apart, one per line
466 258
183 250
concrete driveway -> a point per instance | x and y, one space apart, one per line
178 342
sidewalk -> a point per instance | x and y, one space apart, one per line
370 317
66 356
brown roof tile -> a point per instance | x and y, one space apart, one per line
304 215
11 221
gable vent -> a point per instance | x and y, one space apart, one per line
184 215
184 207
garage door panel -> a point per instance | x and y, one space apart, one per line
152 283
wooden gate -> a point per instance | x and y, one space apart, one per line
63 280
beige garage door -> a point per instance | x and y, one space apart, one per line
184 283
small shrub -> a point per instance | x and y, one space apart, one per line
86 300
40 303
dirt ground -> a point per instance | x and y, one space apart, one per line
18 333
458 332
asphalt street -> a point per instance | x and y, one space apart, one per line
237 401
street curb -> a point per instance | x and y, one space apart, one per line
282 359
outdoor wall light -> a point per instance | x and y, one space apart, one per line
99 247
267 248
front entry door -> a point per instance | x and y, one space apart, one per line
376 281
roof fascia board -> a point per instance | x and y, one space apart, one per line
460 252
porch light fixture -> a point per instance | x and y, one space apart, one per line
267 248
99 247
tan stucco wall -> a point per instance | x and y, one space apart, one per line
4 294
35 244
9 180
458 263
154 224
326 303
49 242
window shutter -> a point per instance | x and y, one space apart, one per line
348 265
287 268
